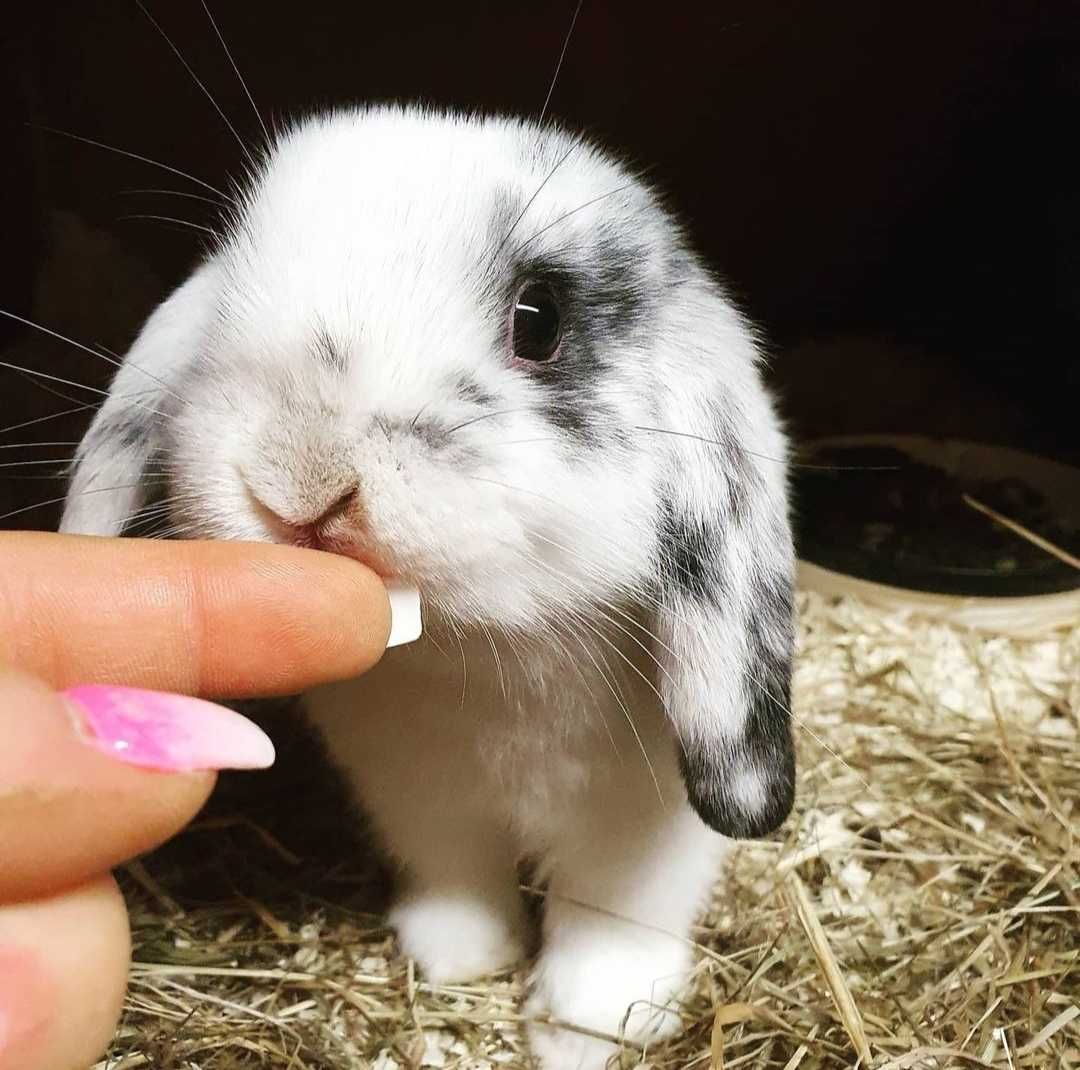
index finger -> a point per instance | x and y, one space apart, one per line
217 619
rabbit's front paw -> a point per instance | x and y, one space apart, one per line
454 936
625 993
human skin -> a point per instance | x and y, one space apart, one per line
84 785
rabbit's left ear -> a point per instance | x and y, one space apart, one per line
726 631
111 481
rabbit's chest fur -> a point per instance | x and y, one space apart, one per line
523 736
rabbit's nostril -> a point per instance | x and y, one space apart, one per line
313 528
341 507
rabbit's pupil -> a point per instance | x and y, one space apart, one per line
537 323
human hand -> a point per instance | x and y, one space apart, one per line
93 773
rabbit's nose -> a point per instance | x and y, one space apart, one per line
335 524
324 530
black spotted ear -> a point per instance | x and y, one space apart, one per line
726 641
109 484
109 481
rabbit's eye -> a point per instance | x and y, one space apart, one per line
537 323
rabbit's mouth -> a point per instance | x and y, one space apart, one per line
345 543
365 555
338 529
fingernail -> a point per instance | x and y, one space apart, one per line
406 624
167 732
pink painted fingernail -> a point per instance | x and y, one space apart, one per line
168 732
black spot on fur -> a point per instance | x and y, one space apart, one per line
622 298
689 556
571 386
681 267
742 477
739 469
468 389
571 410
506 206
430 432
433 433
601 312
609 291
130 430
765 747
328 352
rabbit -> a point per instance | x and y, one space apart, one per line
480 356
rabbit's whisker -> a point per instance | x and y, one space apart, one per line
136 156
183 224
174 193
37 445
51 378
239 76
82 407
64 497
197 80
559 65
529 203
600 603
796 719
85 349
484 416
571 660
573 211
776 460
625 712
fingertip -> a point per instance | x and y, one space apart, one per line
373 613
276 620
64 964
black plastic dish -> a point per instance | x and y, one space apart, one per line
890 510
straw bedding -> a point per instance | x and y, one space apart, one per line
921 909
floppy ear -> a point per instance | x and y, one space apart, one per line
726 606
109 482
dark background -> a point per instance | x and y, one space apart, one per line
891 189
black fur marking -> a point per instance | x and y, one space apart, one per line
689 556
602 309
433 433
622 299
608 289
507 205
129 431
681 267
742 477
766 746
329 354
740 471
468 389
570 385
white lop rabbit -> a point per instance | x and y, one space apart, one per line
480 356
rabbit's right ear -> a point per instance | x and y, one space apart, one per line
109 481
725 581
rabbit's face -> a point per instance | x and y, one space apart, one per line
438 365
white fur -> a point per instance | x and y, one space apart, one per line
562 663
462 784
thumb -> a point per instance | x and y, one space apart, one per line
95 775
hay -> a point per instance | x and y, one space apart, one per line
922 911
